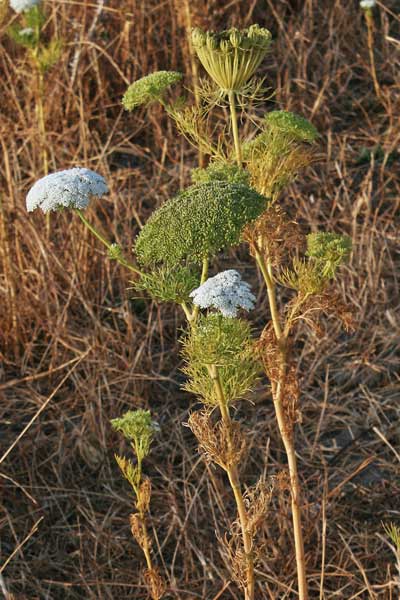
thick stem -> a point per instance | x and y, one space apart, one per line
235 130
286 430
271 294
370 25
106 243
234 480
203 279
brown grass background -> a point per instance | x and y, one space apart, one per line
77 345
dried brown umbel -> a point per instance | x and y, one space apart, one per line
221 442
274 235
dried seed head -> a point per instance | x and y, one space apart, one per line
137 529
155 583
231 57
221 443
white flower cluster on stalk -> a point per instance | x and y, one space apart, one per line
366 4
21 6
226 292
71 188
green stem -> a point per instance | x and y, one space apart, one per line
286 428
234 480
203 279
106 243
235 130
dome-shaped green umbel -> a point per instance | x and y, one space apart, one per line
198 222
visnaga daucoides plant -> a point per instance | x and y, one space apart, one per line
235 200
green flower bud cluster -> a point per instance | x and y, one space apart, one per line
231 57
227 344
197 223
166 284
149 88
329 251
221 171
114 251
277 154
137 426
291 125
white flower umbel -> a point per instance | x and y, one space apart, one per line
226 292
368 4
21 6
71 188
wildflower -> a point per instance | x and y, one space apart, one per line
367 4
226 292
23 5
26 31
71 188
138 427
198 222
291 125
149 88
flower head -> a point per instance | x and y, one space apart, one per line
138 427
198 222
23 5
71 188
291 125
367 4
149 88
231 57
226 292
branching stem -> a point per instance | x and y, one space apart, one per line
106 243
234 480
235 130
286 428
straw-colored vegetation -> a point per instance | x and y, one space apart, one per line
83 344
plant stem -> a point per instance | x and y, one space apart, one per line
271 294
203 279
106 243
286 429
370 25
235 131
234 480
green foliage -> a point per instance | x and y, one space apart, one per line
275 156
304 276
131 472
198 222
24 36
329 251
138 427
49 55
220 171
231 57
167 284
227 344
149 88
393 531
291 126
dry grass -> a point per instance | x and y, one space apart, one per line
79 350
